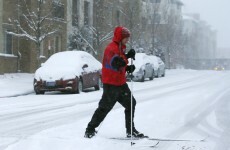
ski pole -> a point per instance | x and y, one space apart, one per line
131 105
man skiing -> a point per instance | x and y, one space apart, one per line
115 88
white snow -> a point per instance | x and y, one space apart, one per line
7 55
16 84
154 60
67 65
186 104
140 60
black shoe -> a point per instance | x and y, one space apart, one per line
135 134
89 133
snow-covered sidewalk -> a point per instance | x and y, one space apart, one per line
16 84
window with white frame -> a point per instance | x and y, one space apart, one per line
42 48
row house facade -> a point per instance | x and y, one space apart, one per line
97 17
201 44
18 54
70 16
109 13
163 17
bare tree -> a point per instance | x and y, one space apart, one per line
173 41
82 39
158 14
132 16
37 22
90 37
102 28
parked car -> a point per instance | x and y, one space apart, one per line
144 68
219 68
71 71
158 65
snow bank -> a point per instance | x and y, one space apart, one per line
16 84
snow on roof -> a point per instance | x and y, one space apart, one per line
186 17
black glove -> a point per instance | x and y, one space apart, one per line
118 62
130 68
131 54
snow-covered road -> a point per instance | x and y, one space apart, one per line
186 104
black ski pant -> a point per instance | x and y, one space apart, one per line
111 95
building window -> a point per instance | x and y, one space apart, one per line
57 44
8 43
157 18
118 17
42 49
155 1
58 9
75 12
173 1
86 13
109 15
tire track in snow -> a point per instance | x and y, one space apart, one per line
72 104
203 109
75 104
60 113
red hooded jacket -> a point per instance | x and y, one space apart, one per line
111 75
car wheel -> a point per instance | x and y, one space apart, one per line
80 86
143 77
99 84
163 75
37 90
152 77
158 73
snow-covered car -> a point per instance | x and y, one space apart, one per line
144 68
71 71
158 65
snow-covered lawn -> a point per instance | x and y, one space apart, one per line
186 104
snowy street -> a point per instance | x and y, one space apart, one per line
186 104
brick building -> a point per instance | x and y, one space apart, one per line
20 53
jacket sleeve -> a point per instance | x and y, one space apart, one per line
118 62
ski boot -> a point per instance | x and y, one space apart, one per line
135 134
89 133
